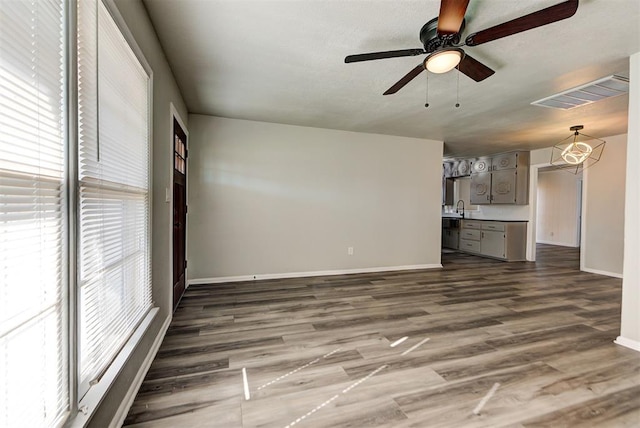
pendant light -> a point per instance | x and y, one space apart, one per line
577 154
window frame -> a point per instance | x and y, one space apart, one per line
78 410
84 406
62 182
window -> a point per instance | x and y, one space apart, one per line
179 151
33 307
60 257
114 254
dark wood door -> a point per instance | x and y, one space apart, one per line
179 211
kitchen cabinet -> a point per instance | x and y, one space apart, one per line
450 238
504 187
464 168
481 165
501 240
501 179
457 168
480 190
470 236
447 191
450 233
492 244
509 160
447 169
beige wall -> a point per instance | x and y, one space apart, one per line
602 249
165 91
270 199
630 329
557 208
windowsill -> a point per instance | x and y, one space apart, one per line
92 399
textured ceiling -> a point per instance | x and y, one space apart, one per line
283 62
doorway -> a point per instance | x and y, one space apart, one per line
179 211
558 208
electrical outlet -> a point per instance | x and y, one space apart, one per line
350 251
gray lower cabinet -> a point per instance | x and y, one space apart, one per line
470 236
492 244
500 240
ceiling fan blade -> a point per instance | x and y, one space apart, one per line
451 16
474 68
542 17
406 79
383 55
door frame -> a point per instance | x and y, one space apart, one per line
533 212
173 114
578 232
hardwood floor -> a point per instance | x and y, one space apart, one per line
521 344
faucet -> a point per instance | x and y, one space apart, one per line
458 207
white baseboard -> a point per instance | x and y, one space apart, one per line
240 278
628 343
602 272
127 401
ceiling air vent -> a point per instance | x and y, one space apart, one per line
607 87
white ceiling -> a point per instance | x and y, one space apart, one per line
283 62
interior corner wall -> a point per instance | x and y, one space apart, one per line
630 318
165 92
557 208
602 245
270 199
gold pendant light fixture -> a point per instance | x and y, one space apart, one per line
577 155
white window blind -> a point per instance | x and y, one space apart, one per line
114 247
33 320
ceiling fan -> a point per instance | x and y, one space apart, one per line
441 40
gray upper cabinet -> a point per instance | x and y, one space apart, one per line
464 168
447 191
507 161
481 165
480 188
501 179
457 168
447 169
503 186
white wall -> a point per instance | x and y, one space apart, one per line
630 328
165 91
268 199
602 248
557 208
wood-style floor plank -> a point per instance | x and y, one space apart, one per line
318 351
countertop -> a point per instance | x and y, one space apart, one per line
457 217
501 221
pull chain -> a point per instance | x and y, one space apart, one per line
458 89
426 104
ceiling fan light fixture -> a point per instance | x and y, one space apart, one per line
443 60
